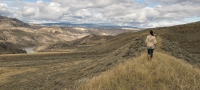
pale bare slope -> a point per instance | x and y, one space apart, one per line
163 73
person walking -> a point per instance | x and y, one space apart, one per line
151 43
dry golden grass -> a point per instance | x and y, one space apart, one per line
162 73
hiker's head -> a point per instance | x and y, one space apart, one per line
151 32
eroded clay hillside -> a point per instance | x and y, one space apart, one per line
23 35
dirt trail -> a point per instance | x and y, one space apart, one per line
159 45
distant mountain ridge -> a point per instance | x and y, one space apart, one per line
6 22
86 25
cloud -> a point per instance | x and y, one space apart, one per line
28 11
41 11
118 12
51 11
130 13
178 12
3 9
177 1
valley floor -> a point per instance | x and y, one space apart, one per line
66 69
44 71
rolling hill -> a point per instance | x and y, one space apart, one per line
24 35
179 41
163 73
182 41
72 63
6 22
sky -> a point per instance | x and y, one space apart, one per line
135 13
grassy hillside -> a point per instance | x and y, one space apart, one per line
94 54
163 73
182 41
87 41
